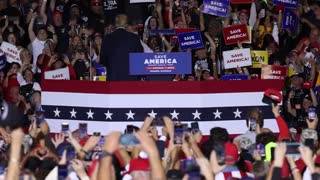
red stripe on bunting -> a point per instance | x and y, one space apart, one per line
140 87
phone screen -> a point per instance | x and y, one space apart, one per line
62 172
293 149
178 134
83 130
129 140
64 129
220 152
312 113
194 127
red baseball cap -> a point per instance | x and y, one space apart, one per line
56 13
96 3
231 153
244 11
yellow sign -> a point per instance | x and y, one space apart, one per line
100 78
259 58
249 34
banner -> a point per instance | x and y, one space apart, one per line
289 20
111 106
259 58
155 32
160 63
235 58
250 36
190 40
11 51
235 77
235 33
58 74
184 30
241 1
273 72
287 3
3 60
142 1
216 7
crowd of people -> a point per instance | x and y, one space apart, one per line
85 36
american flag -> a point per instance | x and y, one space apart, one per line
109 106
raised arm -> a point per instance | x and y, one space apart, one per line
52 5
201 19
183 17
160 18
212 55
43 11
13 167
32 35
171 24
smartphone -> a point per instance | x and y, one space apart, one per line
178 134
39 117
293 149
252 124
62 171
157 122
310 143
189 166
219 148
312 114
83 130
260 149
128 140
70 153
263 13
65 128
194 127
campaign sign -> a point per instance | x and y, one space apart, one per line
241 1
58 74
273 72
259 58
159 63
289 20
11 51
235 77
235 33
235 58
287 3
184 30
154 32
216 7
190 40
142 1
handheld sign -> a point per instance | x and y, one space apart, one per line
235 77
289 20
160 63
287 3
190 40
216 7
155 32
58 74
273 72
235 58
142 1
259 58
11 51
235 33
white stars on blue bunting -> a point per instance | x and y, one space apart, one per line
237 113
56 113
108 115
73 113
130 115
174 115
90 114
152 114
217 114
196 115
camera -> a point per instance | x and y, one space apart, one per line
27 91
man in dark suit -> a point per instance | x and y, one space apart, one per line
115 51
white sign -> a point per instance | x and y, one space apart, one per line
235 58
62 73
142 1
11 51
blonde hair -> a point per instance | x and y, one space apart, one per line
121 20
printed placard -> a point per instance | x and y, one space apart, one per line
273 72
160 63
289 20
235 33
58 74
155 32
142 1
235 58
235 77
190 40
259 58
11 51
216 7
287 3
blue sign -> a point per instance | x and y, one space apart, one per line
290 20
3 61
159 63
216 7
235 77
190 40
287 3
154 32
